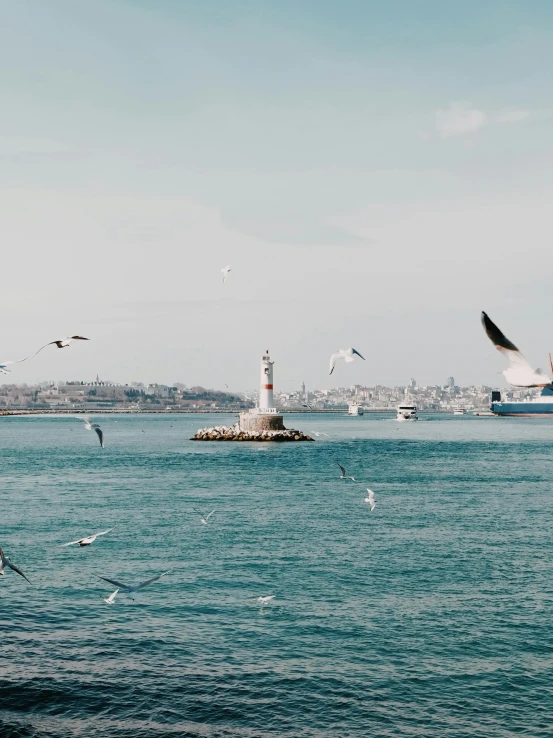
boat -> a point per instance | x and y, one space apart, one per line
540 406
406 412
460 411
355 409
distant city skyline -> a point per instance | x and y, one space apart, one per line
375 173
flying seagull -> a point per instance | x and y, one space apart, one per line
4 364
519 373
319 433
370 499
204 520
62 343
88 540
307 405
111 599
344 473
225 271
265 600
4 561
131 588
93 426
347 354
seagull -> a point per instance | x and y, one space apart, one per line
4 561
4 364
344 473
111 599
93 426
370 499
347 354
319 433
62 343
519 373
131 588
306 404
225 271
88 540
204 520
265 600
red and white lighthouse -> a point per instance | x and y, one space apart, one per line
266 401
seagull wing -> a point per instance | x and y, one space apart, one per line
72 543
14 361
358 354
210 514
114 581
342 468
520 371
499 340
100 434
198 512
79 338
103 533
14 567
333 360
150 581
43 347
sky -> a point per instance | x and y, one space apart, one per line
375 173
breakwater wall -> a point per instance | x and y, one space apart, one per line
236 433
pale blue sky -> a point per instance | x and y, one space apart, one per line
376 173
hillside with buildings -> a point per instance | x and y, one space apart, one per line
104 395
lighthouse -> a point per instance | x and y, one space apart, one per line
266 401
261 423
264 417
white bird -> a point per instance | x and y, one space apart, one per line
88 540
307 405
519 373
131 588
62 343
344 473
347 354
370 499
93 426
204 520
4 561
265 600
5 364
319 433
225 271
111 599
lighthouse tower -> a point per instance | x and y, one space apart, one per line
264 417
266 401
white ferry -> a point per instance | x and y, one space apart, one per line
406 412
460 411
355 409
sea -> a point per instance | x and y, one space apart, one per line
429 617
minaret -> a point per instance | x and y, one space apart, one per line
266 401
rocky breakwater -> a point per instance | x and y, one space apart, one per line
234 433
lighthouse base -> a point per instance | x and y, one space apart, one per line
260 422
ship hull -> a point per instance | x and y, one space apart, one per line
523 409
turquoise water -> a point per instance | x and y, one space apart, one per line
429 617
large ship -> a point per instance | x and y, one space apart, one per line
535 407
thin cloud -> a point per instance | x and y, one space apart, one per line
459 119
462 119
13 145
